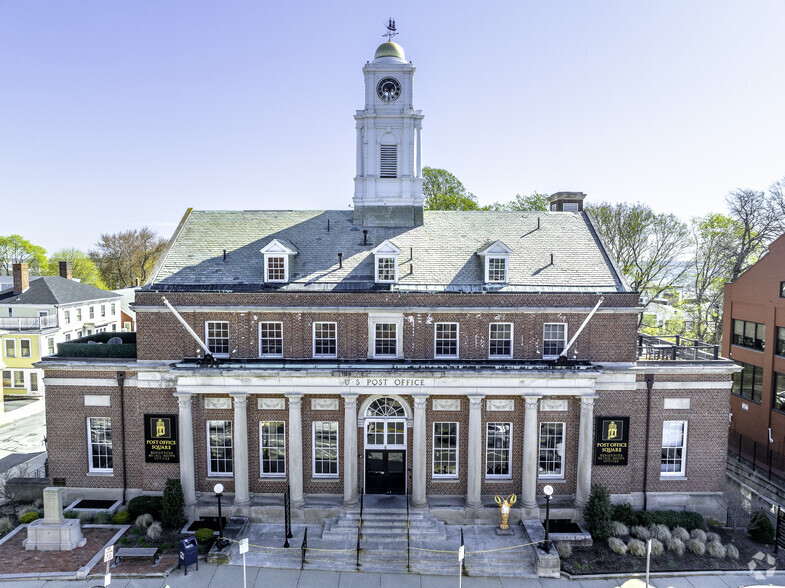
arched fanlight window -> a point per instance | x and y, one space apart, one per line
385 407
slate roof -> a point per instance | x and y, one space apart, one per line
440 255
50 290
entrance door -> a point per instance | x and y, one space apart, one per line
385 471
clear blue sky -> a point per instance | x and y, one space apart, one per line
115 115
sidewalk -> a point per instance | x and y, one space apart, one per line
227 576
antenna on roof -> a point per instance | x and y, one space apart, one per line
391 31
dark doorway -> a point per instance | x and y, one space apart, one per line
385 471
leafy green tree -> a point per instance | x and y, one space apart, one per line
533 202
17 249
82 267
443 191
597 512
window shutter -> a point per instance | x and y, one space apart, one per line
389 161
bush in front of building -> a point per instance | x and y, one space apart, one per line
203 535
660 533
617 546
676 545
619 529
152 505
637 548
657 548
597 513
121 517
681 533
70 514
640 532
732 551
95 345
698 534
716 549
154 531
28 517
564 549
671 519
624 513
143 521
6 524
102 518
760 527
173 504
696 546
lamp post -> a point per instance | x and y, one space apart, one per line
548 493
219 489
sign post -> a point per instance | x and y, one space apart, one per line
461 555
244 550
108 557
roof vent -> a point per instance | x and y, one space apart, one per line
567 201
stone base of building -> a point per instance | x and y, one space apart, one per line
65 536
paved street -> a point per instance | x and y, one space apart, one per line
22 448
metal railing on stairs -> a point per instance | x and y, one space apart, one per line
304 548
359 529
408 539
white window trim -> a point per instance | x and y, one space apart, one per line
13 373
488 259
385 250
262 473
66 317
564 340
267 258
90 467
509 453
563 438
454 476
260 339
5 348
29 347
683 472
313 339
337 473
379 280
210 472
457 341
276 248
207 339
389 318
512 338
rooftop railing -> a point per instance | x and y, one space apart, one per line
675 348
22 323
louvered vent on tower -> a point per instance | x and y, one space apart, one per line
388 166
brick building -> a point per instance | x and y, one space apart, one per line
446 355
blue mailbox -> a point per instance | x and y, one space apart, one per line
189 553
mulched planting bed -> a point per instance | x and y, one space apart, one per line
15 559
600 559
132 565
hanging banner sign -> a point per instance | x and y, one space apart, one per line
612 441
160 438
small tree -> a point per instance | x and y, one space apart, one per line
597 513
173 504
760 528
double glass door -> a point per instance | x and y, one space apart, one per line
385 456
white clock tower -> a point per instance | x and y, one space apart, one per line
388 183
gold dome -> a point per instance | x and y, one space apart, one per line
390 49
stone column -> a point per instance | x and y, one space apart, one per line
349 450
583 486
186 442
419 460
530 459
242 495
295 449
474 457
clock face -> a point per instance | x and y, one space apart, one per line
388 89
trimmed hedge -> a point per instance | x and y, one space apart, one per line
624 513
203 535
29 517
152 505
82 348
671 518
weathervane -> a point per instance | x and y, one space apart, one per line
391 32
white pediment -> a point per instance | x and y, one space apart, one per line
495 248
386 248
279 247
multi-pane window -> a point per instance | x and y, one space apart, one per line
91 312
67 317
551 450
385 269
78 314
500 340
325 448
103 310
497 269
445 450
33 382
276 268
749 334
674 442
272 441
270 339
748 383
325 340
385 340
99 444
68 336
24 348
446 339
50 342
778 398
10 348
780 341
13 379
554 337
219 448
217 337
497 450
112 309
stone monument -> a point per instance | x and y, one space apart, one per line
54 532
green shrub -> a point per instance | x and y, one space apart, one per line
676 545
637 548
28 517
70 514
713 538
125 540
85 517
597 513
657 547
716 549
660 532
681 533
121 517
143 521
640 532
102 518
6 525
624 513
760 527
164 547
152 505
564 549
696 546
619 529
671 519
617 546
203 535
154 531
173 504
698 534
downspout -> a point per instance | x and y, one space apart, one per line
649 379
121 384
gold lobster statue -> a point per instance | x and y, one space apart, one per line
504 508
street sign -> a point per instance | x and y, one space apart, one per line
461 553
244 545
109 554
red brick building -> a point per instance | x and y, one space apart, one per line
445 355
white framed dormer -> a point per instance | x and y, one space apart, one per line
385 263
277 255
496 261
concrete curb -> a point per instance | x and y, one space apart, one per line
20 413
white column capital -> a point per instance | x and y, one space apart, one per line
349 398
240 398
532 400
420 401
587 401
476 401
183 398
295 399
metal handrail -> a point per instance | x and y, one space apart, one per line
304 548
359 529
408 539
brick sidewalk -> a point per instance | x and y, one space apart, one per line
15 559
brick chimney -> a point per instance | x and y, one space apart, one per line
65 270
567 201
21 278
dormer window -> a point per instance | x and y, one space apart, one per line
386 263
277 254
496 258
